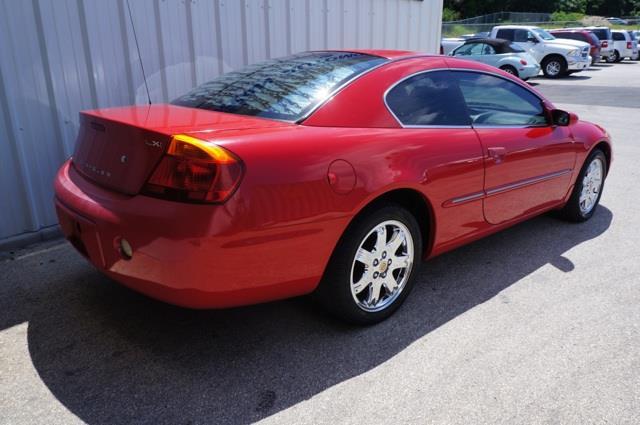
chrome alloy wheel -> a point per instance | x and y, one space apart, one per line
382 266
591 186
553 67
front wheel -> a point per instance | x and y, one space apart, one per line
373 268
613 57
554 67
588 188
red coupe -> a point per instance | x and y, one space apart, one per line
333 172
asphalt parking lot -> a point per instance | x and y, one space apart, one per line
537 324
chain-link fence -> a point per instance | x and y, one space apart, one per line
484 23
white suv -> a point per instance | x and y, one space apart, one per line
558 57
623 47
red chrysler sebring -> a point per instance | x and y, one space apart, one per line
332 172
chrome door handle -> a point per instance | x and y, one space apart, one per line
497 154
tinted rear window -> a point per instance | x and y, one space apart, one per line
602 34
285 88
507 34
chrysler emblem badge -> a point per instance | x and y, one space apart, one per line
123 158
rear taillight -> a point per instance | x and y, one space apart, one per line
605 43
195 170
629 45
522 61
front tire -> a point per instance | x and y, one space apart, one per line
588 188
554 66
373 267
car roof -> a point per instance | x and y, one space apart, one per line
516 26
383 53
569 30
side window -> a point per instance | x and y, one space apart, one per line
507 34
618 36
430 98
521 36
494 101
468 49
488 50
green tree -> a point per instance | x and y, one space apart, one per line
577 6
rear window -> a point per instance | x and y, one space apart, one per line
286 88
632 35
602 33
506 34
618 36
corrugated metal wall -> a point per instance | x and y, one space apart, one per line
58 57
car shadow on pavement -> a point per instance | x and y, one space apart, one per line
112 356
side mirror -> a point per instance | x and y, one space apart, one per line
563 118
532 40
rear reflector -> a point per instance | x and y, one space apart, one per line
195 170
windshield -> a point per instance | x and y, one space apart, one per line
285 88
543 34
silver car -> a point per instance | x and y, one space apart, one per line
500 53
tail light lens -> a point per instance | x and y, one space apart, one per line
605 44
195 170
522 61
629 45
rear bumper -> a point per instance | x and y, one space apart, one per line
529 71
198 256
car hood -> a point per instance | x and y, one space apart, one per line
568 43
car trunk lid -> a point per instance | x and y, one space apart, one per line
118 148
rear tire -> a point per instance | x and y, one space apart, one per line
510 70
372 271
613 57
588 189
554 66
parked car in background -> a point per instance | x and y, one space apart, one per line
623 46
500 53
332 172
635 38
447 45
617 21
557 57
605 36
581 35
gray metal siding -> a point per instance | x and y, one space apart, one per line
58 57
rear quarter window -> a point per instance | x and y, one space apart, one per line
507 34
428 99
